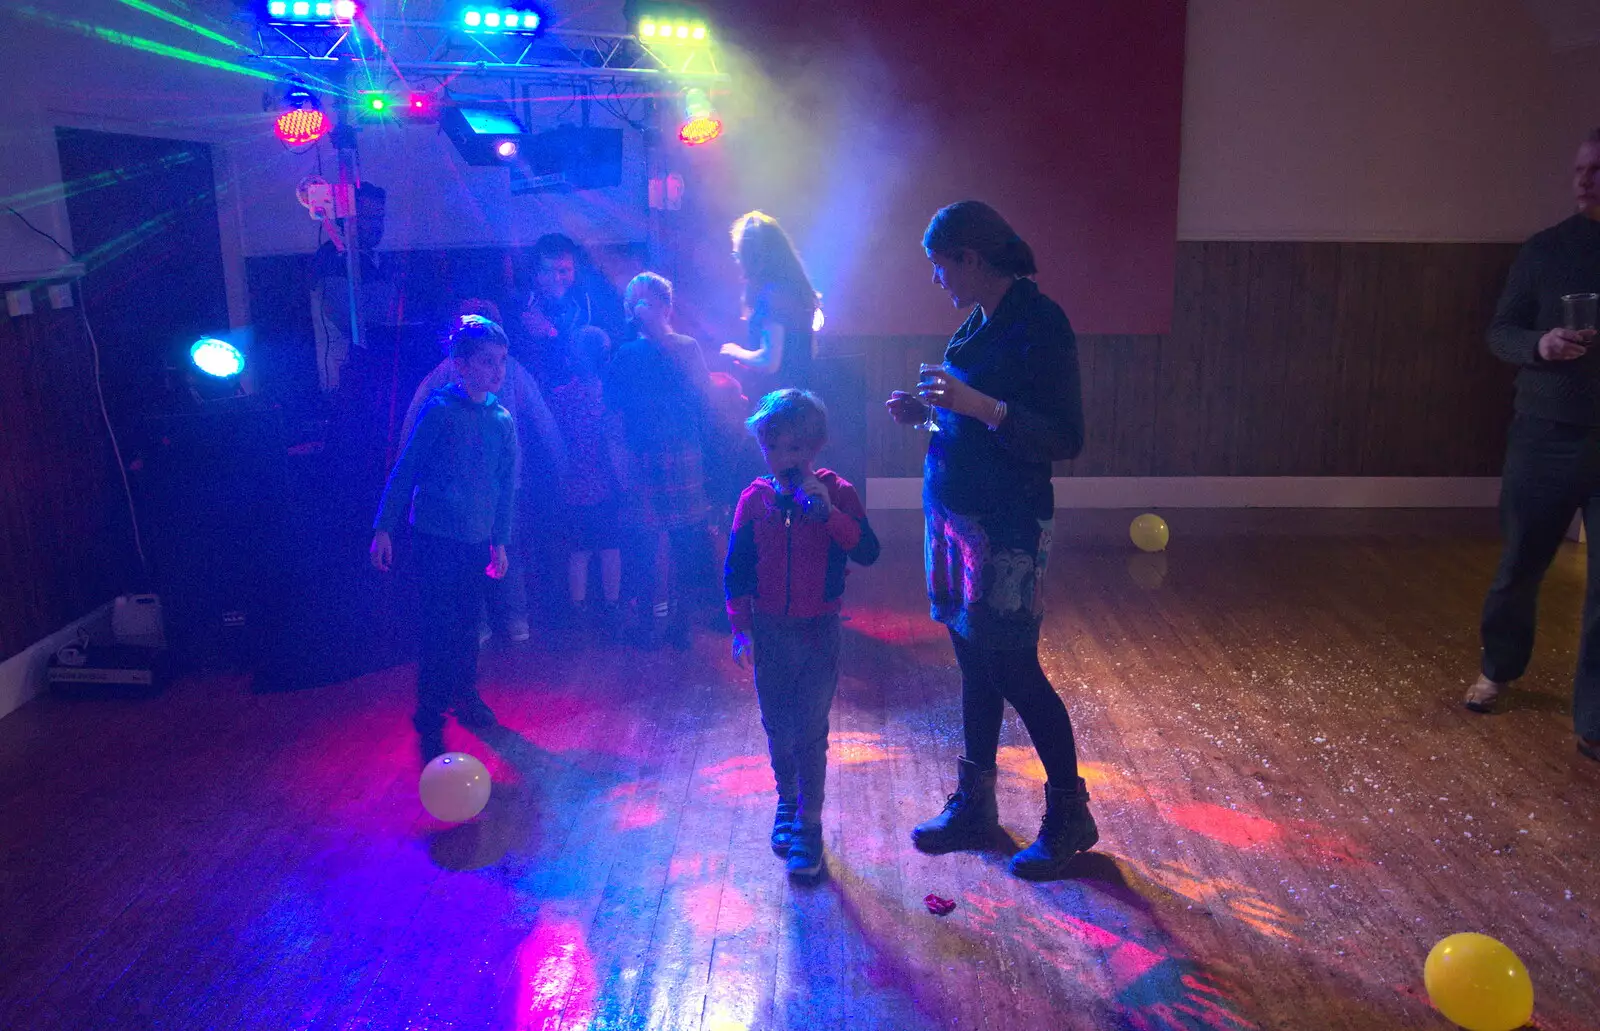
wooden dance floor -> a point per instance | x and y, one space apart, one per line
1293 808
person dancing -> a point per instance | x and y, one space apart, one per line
1005 404
781 304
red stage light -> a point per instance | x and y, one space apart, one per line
700 122
300 126
700 130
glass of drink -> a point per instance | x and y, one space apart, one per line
931 423
1578 311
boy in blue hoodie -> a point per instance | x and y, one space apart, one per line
456 474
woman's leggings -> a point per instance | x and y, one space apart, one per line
989 679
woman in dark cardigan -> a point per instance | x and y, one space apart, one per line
1006 404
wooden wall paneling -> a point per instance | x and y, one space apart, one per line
1224 339
891 364
1293 292
1179 413
1285 359
1097 375
1479 436
1138 379
1357 317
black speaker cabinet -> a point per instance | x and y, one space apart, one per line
212 493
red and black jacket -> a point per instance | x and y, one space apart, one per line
782 563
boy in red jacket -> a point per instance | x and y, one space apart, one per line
792 533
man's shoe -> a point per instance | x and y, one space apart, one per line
1481 695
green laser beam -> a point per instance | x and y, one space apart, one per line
148 46
183 23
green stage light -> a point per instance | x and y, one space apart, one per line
378 105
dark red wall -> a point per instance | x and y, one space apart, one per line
854 122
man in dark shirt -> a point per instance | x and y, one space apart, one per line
1552 464
566 294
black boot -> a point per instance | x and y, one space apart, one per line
1068 829
970 818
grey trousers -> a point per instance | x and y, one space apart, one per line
797 671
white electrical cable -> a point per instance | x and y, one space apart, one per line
116 449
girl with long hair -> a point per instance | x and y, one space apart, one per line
780 303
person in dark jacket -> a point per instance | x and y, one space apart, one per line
792 534
1553 453
456 475
1005 404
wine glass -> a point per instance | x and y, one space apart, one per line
931 423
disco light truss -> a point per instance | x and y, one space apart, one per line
445 49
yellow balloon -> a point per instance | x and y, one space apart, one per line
454 787
1149 533
1478 983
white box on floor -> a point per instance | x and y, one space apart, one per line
136 620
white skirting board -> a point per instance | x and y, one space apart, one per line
1156 492
22 675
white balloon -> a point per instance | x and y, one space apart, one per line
454 787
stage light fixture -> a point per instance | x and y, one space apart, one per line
301 121
673 25
481 129
306 12
514 20
378 106
216 358
700 123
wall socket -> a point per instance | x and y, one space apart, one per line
60 295
19 302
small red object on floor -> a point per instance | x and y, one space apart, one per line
938 906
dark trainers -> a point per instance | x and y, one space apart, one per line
783 826
1068 829
1589 749
970 818
805 853
474 714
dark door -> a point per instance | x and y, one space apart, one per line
144 222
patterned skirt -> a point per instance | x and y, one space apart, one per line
673 487
986 575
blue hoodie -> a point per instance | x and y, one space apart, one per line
457 471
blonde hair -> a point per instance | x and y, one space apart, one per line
646 284
797 412
769 260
